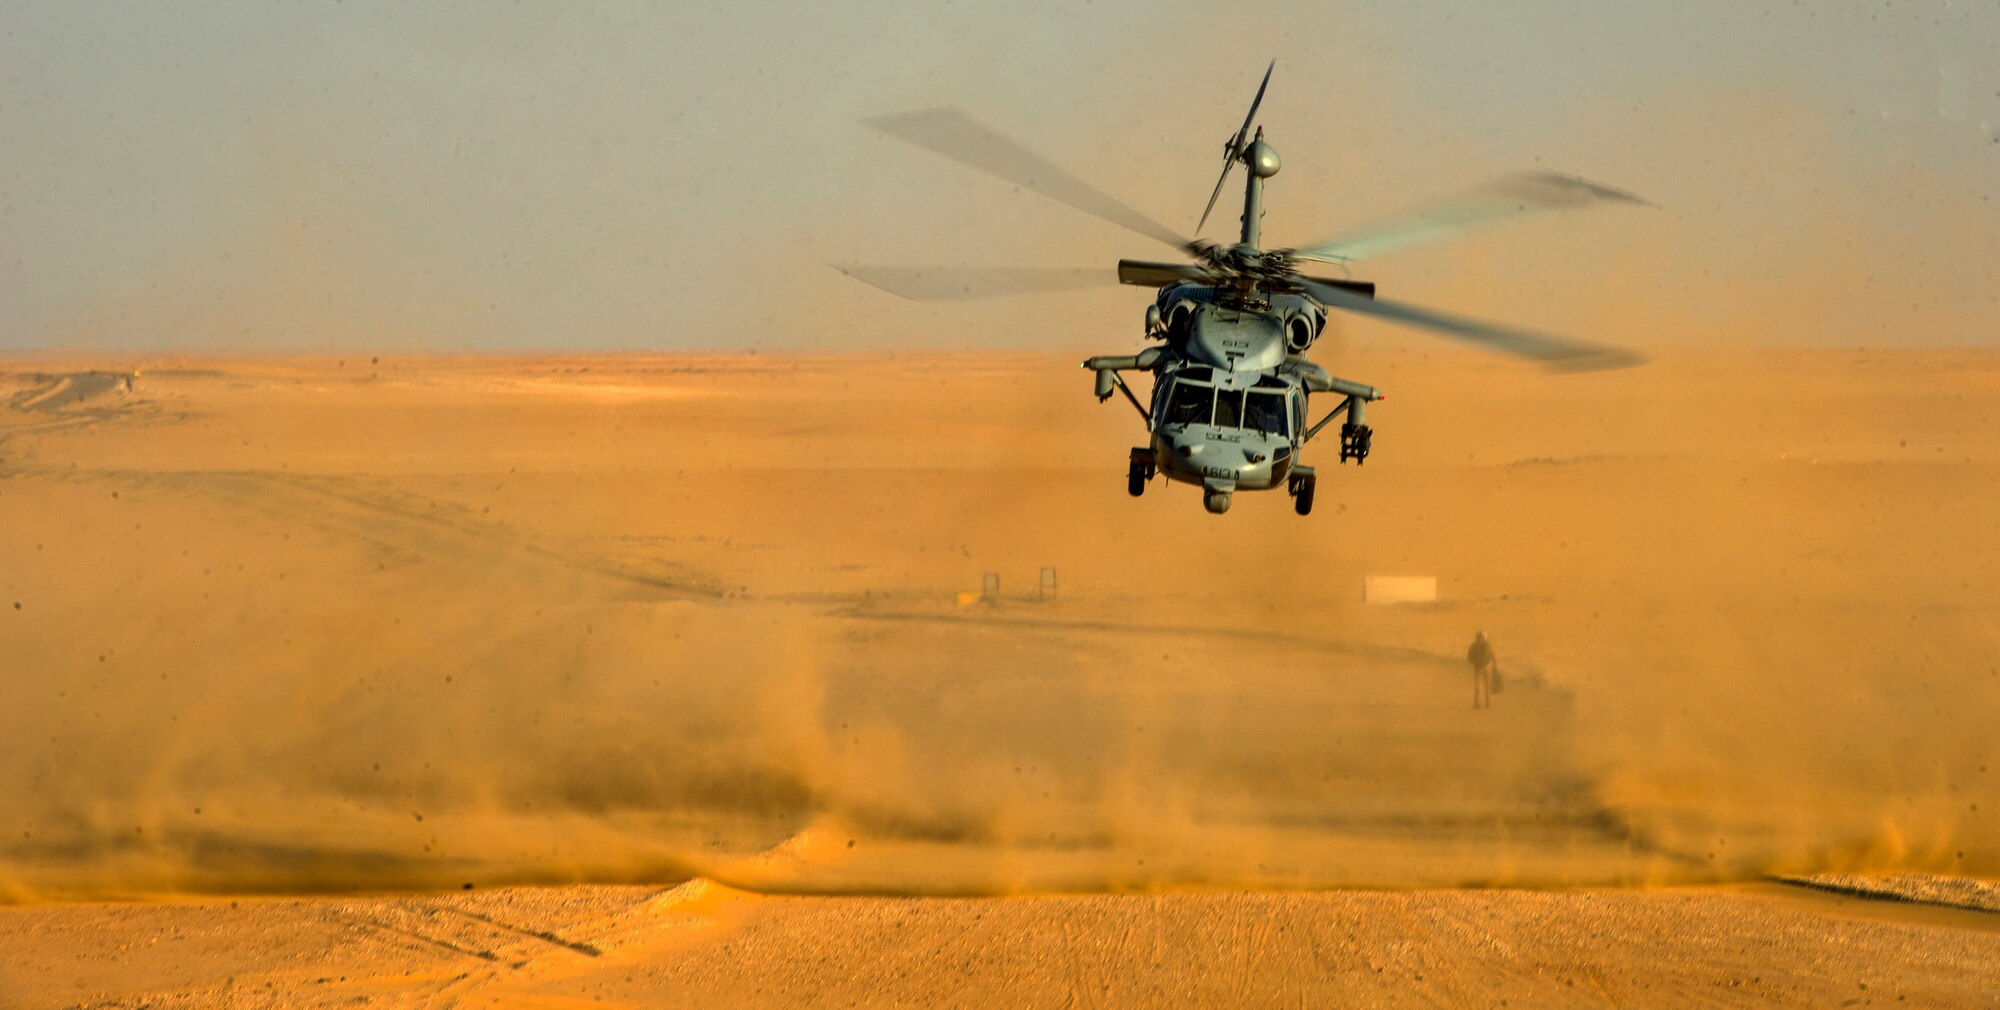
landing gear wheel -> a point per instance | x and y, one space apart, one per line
1302 500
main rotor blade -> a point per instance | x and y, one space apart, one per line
1235 148
1506 197
950 133
1557 353
1219 180
946 284
1365 289
1154 275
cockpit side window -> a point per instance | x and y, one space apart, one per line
1228 407
1189 404
1265 412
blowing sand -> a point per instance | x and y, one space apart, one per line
309 664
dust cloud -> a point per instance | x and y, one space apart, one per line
384 623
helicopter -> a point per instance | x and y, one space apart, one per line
1229 405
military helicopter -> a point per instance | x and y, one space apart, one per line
1229 404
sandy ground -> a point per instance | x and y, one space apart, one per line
545 682
702 945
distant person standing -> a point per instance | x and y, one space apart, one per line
1483 662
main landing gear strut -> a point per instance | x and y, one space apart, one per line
1139 472
1301 484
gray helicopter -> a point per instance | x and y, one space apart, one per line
1231 382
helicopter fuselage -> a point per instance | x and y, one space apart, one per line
1228 409
1234 430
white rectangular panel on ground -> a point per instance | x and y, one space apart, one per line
1400 589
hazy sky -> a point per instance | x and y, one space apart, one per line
331 175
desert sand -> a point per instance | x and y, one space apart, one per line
646 680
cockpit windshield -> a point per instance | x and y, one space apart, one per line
1257 410
1228 408
1190 404
1266 412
